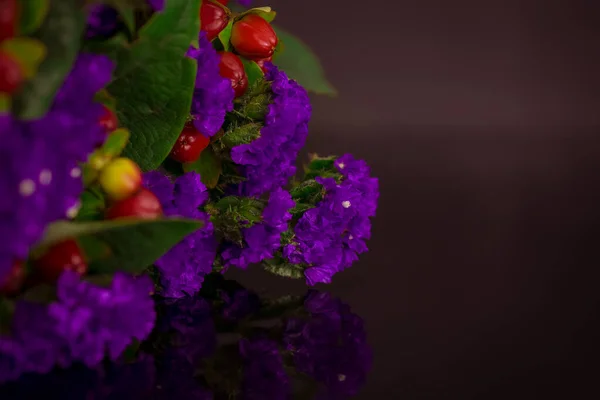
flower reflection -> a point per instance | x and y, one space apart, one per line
227 343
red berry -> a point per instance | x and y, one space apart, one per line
11 285
253 37
189 145
63 256
108 120
144 204
213 19
231 67
9 13
262 61
11 75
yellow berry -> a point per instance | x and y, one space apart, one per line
120 178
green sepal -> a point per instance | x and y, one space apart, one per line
253 71
208 165
264 12
60 32
301 208
225 36
126 244
28 52
32 14
232 213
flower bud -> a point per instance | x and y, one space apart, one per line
121 178
253 37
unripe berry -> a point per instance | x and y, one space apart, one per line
60 257
120 178
144 204
11 74
12 283
232 68
253 37
189 145
213 19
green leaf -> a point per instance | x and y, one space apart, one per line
279 266
241 135
225 36
301 208
308 192
154 83
7 309
60 32
92 205
208 165
32 14
127 14
300 63
110 47
105 98
5 102
253 71
127 244
27 51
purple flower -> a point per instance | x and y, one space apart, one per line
213 94
183 267
263 239
39 159
245 3
102 21
264 374
269 161
330 346
329 237
157 5
85 323
94 319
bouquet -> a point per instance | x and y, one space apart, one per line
147 145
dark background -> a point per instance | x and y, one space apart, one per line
481 120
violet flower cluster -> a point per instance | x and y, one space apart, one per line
330 346
263 239
183 267
85 324
213 94
329 237
39 159
264 377
269 161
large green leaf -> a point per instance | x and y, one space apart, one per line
128 244
300 63
60 32
154 82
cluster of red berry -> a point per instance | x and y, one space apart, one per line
253 38
121 180
11 72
